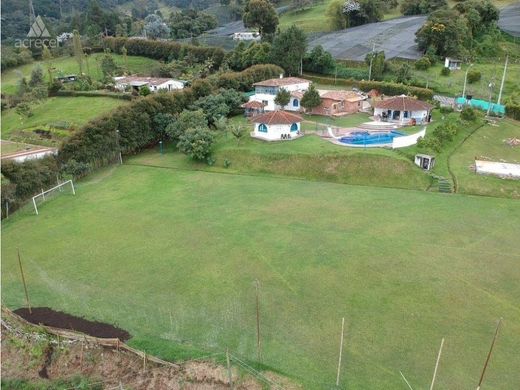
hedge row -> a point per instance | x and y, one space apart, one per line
115 95
513 111
382 86
166 50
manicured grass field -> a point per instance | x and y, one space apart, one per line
74 110
68 65
172 257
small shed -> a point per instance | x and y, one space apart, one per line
452 63
425 161
277 125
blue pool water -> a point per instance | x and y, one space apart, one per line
362 138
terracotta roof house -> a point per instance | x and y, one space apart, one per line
339 103
373 93
277 125
403 109
154 83
265 92
253 107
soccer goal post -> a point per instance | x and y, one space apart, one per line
45 195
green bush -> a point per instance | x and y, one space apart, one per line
423 63
197 143
468 114
445 71
446 110
474 76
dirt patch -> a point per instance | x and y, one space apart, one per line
58 319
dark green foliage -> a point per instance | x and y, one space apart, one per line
260 14
512 104
109 68
36 76
311 98
318 60
474 76
186 120
423 63
441 135
202 88
403 73
417 7
166 50
243 81
30 176
445 71
144 90
282 98
13 57
244 56
288 49
160 123
446 110
378 64
76 169
468 114
196 143
219 105
190 23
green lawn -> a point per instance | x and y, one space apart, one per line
74 110
172 257
488 143
68 65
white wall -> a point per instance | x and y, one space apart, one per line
408 140
33 156
271 106
171 85
274 132
498 169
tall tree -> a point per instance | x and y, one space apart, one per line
155 27
311 98
289 49
260 14
337 19
283 97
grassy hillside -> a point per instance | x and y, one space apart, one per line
172 257
68 65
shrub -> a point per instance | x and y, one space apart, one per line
468 114
446 110
196 143
145 90
474 76
186 120
423 63
445 71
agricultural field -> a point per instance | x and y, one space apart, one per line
68 65
172 256
59 115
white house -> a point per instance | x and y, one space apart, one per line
265 92
403 110
246 36
452 63
277 125
154 83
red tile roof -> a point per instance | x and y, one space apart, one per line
277 118
403 103
253 104
280 82
297 94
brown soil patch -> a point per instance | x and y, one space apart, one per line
58 319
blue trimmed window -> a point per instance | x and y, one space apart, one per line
262 127
294 127
296 103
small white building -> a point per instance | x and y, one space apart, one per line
265 92
276 126
452 63
425 161
154 83
403 110
247 36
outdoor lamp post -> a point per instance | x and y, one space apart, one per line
465 81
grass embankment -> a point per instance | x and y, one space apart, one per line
309 157
59 115
68 65
172 257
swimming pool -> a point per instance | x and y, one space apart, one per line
364 138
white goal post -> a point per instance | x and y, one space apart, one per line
50 190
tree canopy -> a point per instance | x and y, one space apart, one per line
288 49
260 14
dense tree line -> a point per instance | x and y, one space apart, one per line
190 23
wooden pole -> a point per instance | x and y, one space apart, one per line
340 350
437 364
489 354
229 369
144 362
258 320
24 283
